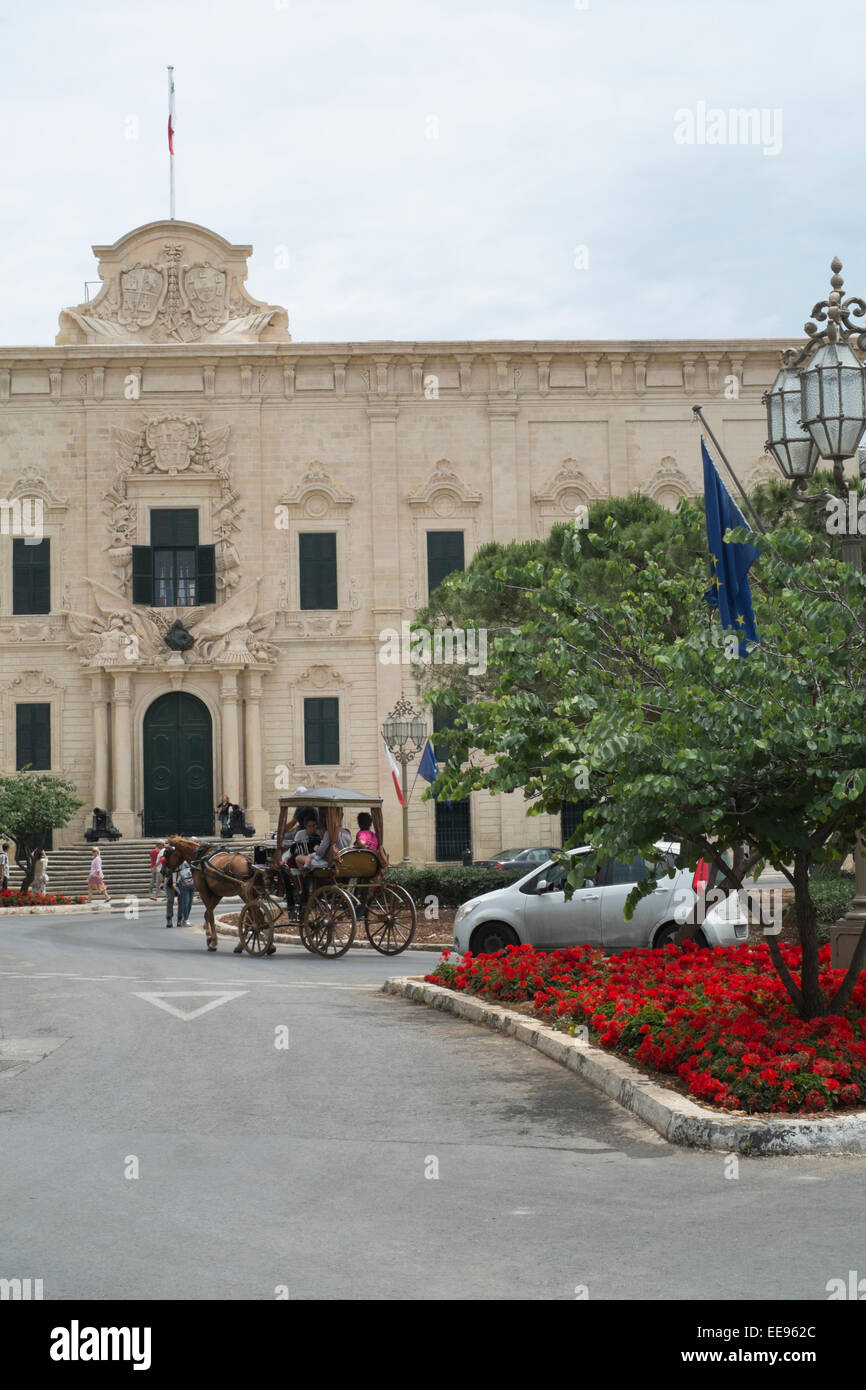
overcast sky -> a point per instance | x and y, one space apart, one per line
451 169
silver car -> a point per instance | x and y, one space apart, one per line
534 910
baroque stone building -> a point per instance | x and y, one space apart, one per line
185 461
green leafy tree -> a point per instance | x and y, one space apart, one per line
681 738
32 804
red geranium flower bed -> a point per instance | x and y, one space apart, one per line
13 897
719 1020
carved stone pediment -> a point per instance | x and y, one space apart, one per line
316 494
669 483
173 282
444 493
569 487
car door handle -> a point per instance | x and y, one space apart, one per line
661 890
591 898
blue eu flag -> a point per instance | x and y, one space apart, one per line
729 563
428 768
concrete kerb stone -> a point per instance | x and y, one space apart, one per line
677 1118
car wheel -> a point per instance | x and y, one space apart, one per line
666 935
492 936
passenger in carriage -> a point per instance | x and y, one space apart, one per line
366 837
319 859
302 842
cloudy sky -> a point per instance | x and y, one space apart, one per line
448 169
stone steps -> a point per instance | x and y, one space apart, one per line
125 866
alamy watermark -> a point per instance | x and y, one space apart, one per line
22 517
438 646
738 125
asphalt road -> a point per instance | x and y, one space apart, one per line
310 1167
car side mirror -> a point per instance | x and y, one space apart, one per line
589 883
542 886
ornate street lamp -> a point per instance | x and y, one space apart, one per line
816 407
818 410
789 442
405 732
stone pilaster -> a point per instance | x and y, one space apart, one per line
99 786
255 809
230 735
122 811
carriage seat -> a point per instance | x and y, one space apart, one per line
355 863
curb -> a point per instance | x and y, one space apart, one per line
676 1118
283 938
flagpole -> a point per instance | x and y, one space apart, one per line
698 411
170 150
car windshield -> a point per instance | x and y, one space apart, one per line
507 854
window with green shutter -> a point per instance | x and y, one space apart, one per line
33 737
31 576
174 571
444 556
322 732
317 560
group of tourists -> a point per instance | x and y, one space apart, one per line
307 845
177 884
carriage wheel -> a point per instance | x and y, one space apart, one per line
328 928
390 918
256 929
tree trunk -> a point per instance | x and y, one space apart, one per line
813 1005
26 861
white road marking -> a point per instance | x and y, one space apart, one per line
216 998
180 979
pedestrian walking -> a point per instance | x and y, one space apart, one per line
186 889
223 811
96 880
156 869
4 867
40 873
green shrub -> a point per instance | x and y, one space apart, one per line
451 886
832 894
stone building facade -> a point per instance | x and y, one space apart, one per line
287 503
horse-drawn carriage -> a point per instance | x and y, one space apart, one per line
333 899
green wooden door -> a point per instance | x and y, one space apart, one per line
178 767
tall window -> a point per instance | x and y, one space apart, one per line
31 576
174 571
570 817
453 818
444 555
33 736
322 731
317 558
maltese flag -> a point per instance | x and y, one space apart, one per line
171 114
395 772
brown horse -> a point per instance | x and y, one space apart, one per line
224 874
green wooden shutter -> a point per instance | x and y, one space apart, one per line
322 732
206 574
33 736
444 556
317 559
142 574
31 576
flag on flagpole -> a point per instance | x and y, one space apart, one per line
729 589
428 768
395 771
171 111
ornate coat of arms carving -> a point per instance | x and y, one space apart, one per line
205 290
142 290
172 442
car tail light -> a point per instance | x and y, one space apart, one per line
701 878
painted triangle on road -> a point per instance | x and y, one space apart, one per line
216 998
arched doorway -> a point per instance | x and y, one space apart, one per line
178 767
